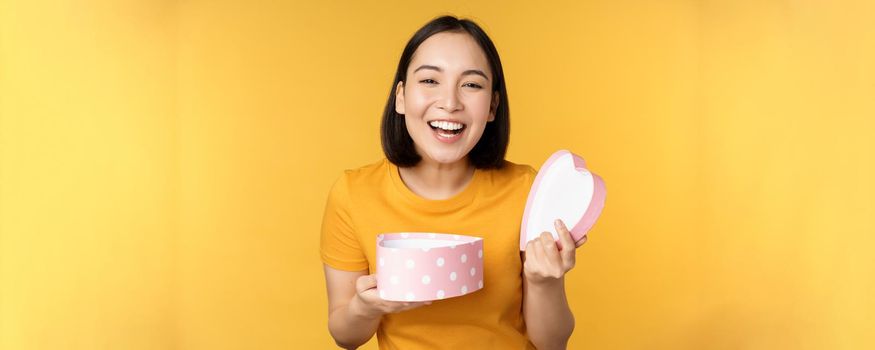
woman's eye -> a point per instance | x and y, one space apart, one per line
431 81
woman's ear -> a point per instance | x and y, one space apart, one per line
399 98
493 107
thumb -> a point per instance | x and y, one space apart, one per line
366 282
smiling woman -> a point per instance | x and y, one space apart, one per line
445 131
449 71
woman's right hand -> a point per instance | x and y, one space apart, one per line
367 301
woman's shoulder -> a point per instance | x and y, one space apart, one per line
519 168
368 168
512 172
365 174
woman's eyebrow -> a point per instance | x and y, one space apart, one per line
467 72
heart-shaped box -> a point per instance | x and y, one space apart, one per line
563 189
421 266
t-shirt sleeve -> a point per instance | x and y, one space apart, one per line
531 172
339 246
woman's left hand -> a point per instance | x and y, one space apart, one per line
546 260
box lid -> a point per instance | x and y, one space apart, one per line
563 189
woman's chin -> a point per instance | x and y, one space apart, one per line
446 158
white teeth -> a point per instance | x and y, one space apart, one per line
445 125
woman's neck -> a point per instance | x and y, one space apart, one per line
434 180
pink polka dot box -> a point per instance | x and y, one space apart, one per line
421 266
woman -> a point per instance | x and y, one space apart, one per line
445 131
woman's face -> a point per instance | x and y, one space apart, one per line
447 99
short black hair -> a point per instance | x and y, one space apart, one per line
490 150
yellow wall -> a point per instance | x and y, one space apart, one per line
164 164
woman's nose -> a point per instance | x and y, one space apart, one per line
449 101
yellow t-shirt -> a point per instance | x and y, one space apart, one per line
373 199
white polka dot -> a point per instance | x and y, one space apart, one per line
382 294
393 279
405 235
426 249
410 264
464 258
464 289
452 276
440 262
473 271
426 279
410 296
480 253
480 284
453 246
382 262
440 294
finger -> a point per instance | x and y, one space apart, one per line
412 305
529 254
544 262
529 243
551 251
364 283
530 246
581 241
565 239
537 254
546 239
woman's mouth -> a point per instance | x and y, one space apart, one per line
447 131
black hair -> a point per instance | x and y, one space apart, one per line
490 150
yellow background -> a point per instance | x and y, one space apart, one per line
164 164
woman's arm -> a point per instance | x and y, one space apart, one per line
348 324
548 318
355 309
